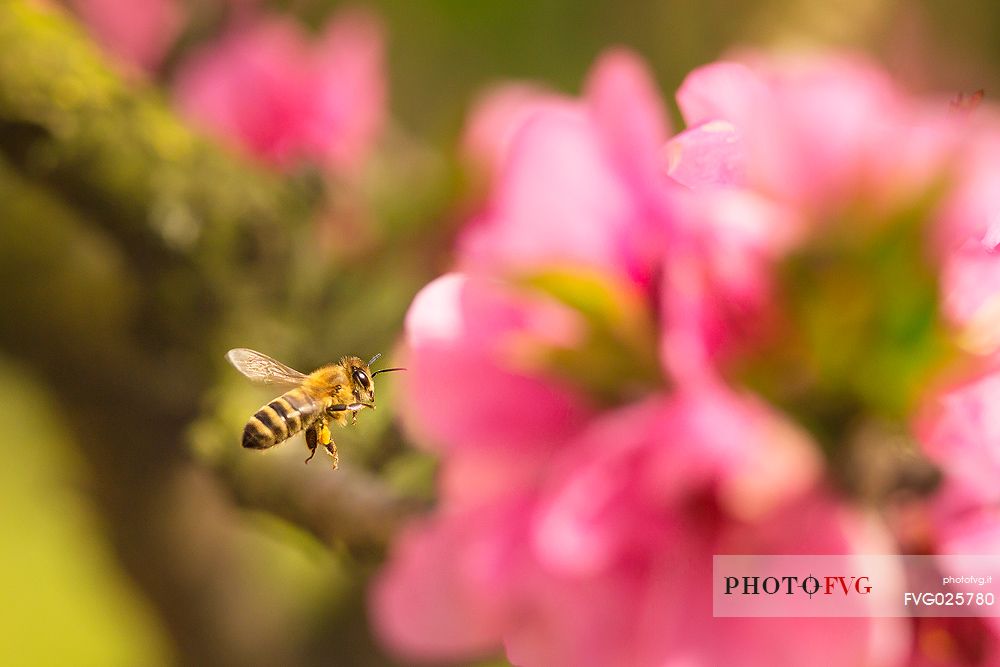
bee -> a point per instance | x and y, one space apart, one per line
333 393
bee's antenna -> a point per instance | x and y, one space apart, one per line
374 359
387 370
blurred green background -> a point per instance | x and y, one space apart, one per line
135 531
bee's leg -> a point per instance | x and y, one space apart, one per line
331 449
312 439
353 407
331 446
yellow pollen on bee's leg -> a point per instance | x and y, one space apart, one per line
329 444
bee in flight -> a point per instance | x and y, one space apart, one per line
328 394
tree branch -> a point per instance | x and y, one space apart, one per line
116 151
117 301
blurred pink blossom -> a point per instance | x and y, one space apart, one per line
778 151
455 328
970 236
137 32
717 275
590 169
574 532
959 429
816 141
603 555
498 116
284 97
814 132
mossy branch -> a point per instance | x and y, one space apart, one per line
128 241
114 149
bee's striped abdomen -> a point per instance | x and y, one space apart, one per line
280 419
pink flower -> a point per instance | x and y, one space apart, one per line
959 429
589 169
774 152
813 131
592 459
268 89
605 559
137 32
818 154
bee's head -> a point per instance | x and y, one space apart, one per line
363 378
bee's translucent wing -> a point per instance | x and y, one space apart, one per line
262 368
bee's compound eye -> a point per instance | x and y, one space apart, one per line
361 378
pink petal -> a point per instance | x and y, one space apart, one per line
250 88
444 593
266 89
836 116
463 388
559 201
138 32
721 91
967 237
630 472
497 117
717 282
473 477
814 524
626 106
350 87
959 428
587 621
965 523
707 155
926 145
594 511
972 209
580 185
651 608
816 129
970 286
